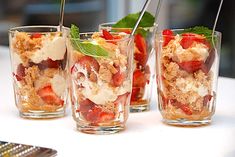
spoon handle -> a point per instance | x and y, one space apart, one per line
215 23
61 20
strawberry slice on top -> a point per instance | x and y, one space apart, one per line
168 35
190 38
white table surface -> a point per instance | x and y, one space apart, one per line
145 134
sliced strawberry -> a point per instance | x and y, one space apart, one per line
107 35
49 97
89 63
189 38
49 63
168 35
186 109
106 116
36 35
122 99
207 99
93 115
86 105
20 72
135 93
141 58
191 66
140 43
118 79
139 79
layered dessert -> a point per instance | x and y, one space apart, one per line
100 78
186 76
38 69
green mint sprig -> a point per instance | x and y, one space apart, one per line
87 48
200 30
130 20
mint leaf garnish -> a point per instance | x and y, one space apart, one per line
200 30
93 50
87 48
130 20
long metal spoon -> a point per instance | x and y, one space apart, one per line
140 17
159 4
215 23
61 20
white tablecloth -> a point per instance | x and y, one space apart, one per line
145 134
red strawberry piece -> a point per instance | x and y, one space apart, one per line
168 35
141 58
107 35
140 43
86 105
139 79
189 38
118 79
135 93
89 63
191 66
207 99
122 99
106 116
186 109
20 72
49 63
49 97
93 115
36 35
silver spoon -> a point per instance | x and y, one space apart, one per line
140 17
157 12
215 23
61 20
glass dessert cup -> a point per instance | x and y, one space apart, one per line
187 73
143 66
100 83
38 59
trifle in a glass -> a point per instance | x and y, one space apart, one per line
100 80
187 73
38 57
144 69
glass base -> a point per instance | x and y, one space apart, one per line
42 115
100 129
139 108
187 123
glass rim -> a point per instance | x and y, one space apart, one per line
13 29
128 37
101 25
159 33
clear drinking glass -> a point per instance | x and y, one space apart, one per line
38 59
144 65
100 83
187 73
